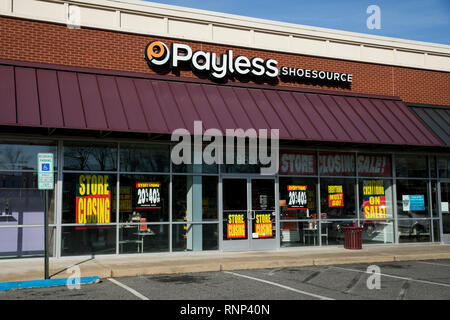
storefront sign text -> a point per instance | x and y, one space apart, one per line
236 226
93 200
298 197
297 163
157 54
263 225
335 196
374 199
148 195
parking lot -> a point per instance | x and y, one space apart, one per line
412 280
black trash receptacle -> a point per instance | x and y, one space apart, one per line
353 238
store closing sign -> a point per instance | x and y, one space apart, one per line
374 199
93 199
148 195
297 163
374 165
334 163
236 226
263 225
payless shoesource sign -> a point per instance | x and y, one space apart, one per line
219 67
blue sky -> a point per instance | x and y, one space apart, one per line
424 20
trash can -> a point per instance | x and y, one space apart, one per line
353 238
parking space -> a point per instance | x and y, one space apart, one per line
428 280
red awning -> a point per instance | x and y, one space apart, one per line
37 95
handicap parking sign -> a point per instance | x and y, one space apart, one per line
45 171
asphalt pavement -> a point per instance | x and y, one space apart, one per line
404 280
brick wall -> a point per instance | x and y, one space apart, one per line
56 44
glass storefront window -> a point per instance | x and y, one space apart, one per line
377 231
21 202
337 198
436 231
374 165
87 198
412 199
144 198
299 233
196 164
298 198
433 166
194 198
333 232
143 238
298 163
144 158
90 157
375 199
23 156
243 161
337 164
88 240
443 167
411 166
414 230
195 237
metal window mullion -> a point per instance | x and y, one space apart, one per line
277 213
118 199
318 196
394 200
430 202
220 213
170 206
58 196
439 207
357 192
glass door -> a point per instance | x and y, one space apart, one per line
445 200
249 214
235 215
263 214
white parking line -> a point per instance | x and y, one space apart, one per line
137 294
396 277
436 264
280 285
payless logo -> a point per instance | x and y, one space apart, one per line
157 53
218 67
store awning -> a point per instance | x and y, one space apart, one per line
437 118
36 95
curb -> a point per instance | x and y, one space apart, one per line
46 283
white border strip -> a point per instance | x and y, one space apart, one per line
280 285
396 277
137 294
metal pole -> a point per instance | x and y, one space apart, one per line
46 236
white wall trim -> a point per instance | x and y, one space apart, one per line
159 20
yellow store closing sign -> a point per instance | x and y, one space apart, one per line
263 225
236 226
93 200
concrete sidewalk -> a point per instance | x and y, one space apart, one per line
135 265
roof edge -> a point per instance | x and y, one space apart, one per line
119 73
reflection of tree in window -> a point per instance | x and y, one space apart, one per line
144 158
90 158
13 158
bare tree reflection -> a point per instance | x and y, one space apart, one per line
14 158
90 158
